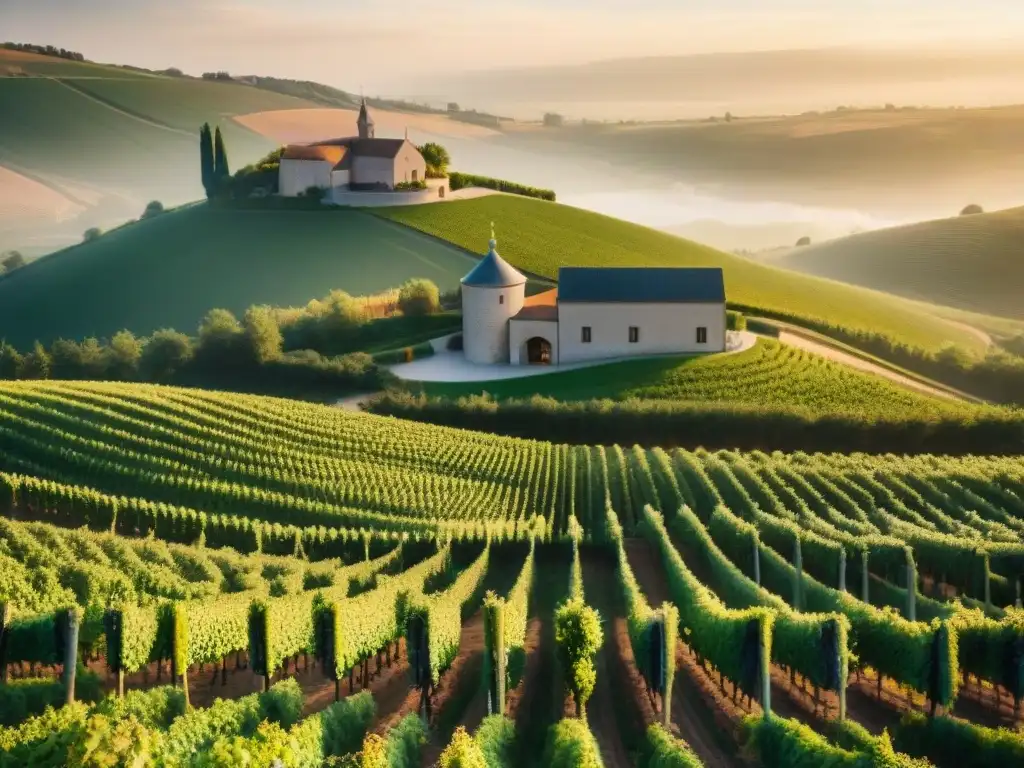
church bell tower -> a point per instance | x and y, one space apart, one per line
365 123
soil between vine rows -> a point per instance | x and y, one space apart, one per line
610 695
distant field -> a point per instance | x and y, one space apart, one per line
298 125
22 62
769 374
872 159
170 271
540 237
970 262
23 198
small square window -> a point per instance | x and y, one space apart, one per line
702 335
634 334
501 298
586 334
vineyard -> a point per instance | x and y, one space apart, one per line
769 375
210 579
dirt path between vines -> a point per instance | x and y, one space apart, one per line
538 701
695 719
462 681
599 584
387 684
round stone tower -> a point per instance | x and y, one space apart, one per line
492 293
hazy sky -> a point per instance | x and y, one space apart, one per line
380 43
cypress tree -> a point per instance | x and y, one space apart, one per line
221 169
206 160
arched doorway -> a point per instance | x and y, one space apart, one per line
538 351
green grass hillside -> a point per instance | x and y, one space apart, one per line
971 262
111 139
171 270
769 374
541 237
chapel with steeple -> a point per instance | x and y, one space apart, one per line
356 163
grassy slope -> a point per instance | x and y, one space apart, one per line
768 374
540 237
128 136
171 270
970 262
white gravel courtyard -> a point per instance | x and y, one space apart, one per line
448 366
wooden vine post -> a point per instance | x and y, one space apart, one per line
258 642
70 654
987 575
842 569
325 627
179 649
865 594
798 581
496 656
757 559
5 611
911 571
113 625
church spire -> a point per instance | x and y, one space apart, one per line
494 240
365 122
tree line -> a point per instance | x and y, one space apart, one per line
711 425
303 351
44 50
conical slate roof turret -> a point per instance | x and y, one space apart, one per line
493 271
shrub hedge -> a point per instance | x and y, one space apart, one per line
458 181
668 423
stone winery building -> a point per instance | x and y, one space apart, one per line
595 313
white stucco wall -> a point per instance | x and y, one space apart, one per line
373 170
343 196
485 321
340 178
521 331
296 176
410 160
664 329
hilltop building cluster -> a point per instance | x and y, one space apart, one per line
362 163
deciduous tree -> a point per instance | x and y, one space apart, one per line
36 364
419 297
12 260
164 354
436 158
123 356
262 334
10 361
154 208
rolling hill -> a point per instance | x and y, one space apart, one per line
878 161
540 237
970 262
171 270
108 140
